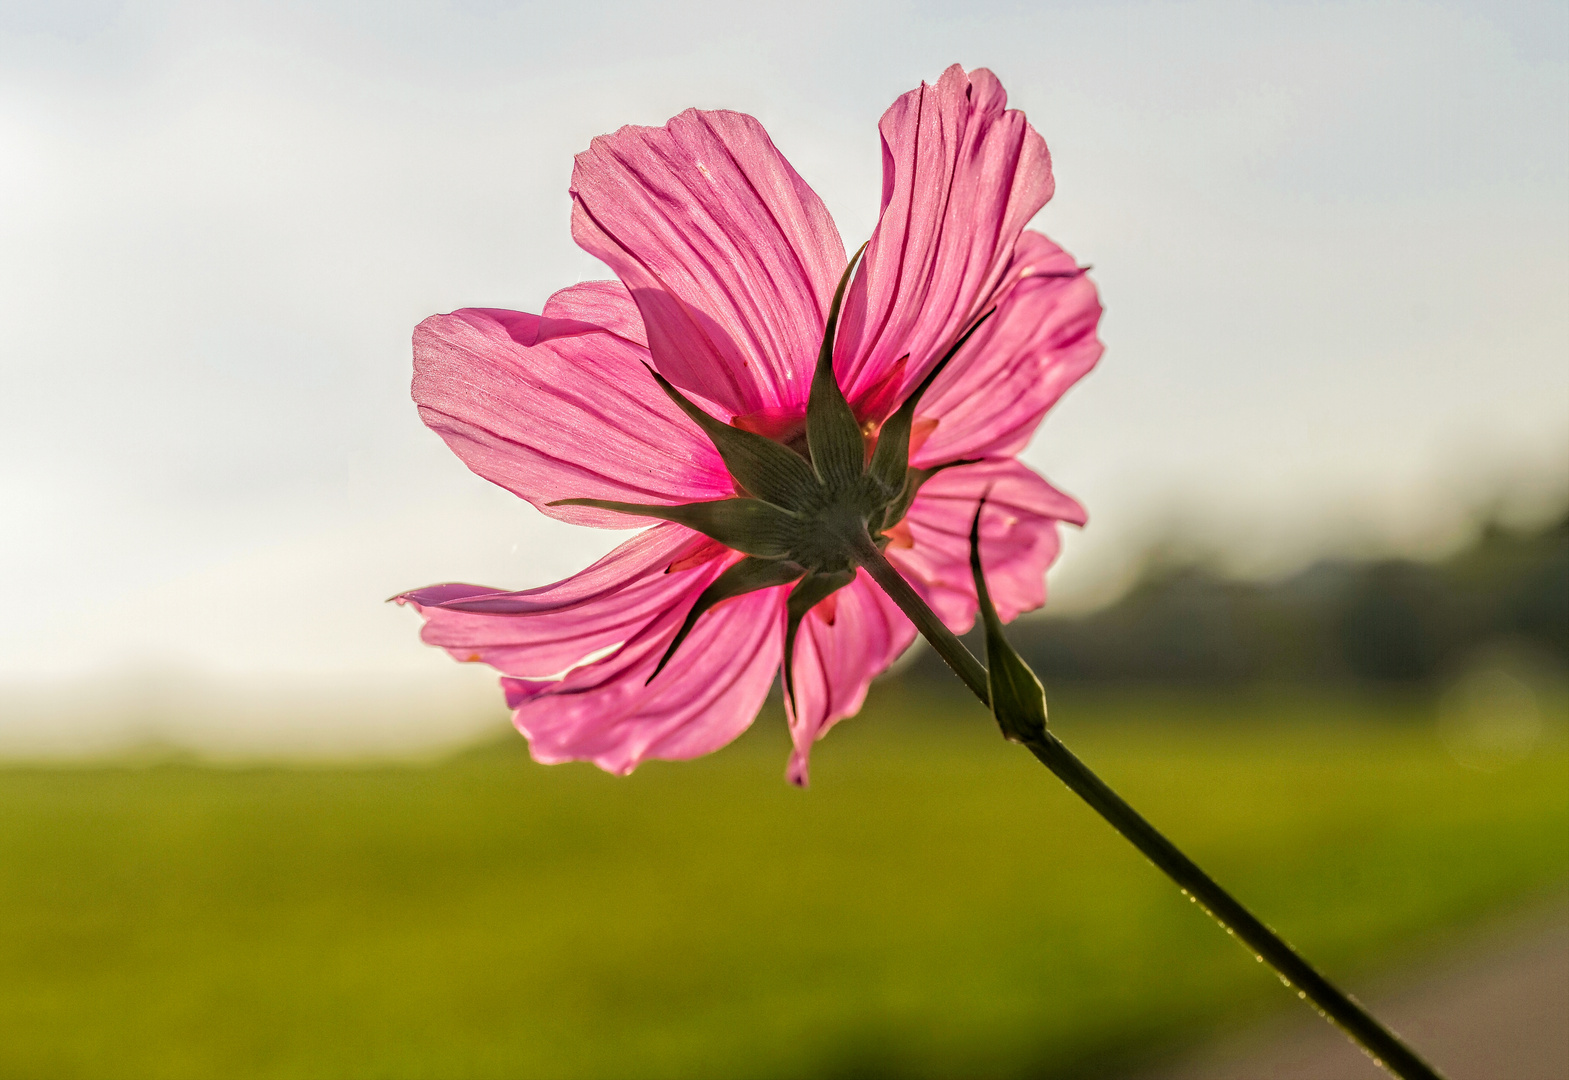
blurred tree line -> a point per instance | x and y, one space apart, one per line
1391 621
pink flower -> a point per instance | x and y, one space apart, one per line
728 264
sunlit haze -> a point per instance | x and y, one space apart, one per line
1332 241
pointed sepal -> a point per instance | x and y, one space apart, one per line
891 458
750 526
832 434
1018 700
769 470
748 575
807 594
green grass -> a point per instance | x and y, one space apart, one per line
936 905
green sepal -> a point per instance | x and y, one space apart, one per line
746 576
750 526
832 434
807 594
1018 700
891 458
768 470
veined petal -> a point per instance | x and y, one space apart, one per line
561 405
605 304
539 634
836 661
730 256
575 655
609 713
739 578
1018 538
1041 340
962 175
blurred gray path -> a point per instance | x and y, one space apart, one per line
1498 1009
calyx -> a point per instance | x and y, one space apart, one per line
800 517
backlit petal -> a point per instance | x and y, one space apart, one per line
609 713
1018 538
576 655
836 662
560 405
730 256
541 633
962 175
1041 341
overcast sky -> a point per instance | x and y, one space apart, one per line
1333 242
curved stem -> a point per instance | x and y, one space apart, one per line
1383 1045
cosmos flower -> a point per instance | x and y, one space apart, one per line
680 392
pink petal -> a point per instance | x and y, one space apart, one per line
1018 538
576 655
730 256
835 663
962 174
538 634
1041 341
602 303
707 695
560 406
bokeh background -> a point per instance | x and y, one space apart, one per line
1318 624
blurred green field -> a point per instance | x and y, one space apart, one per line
936 904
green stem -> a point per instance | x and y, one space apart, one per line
950 648
1383 1045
